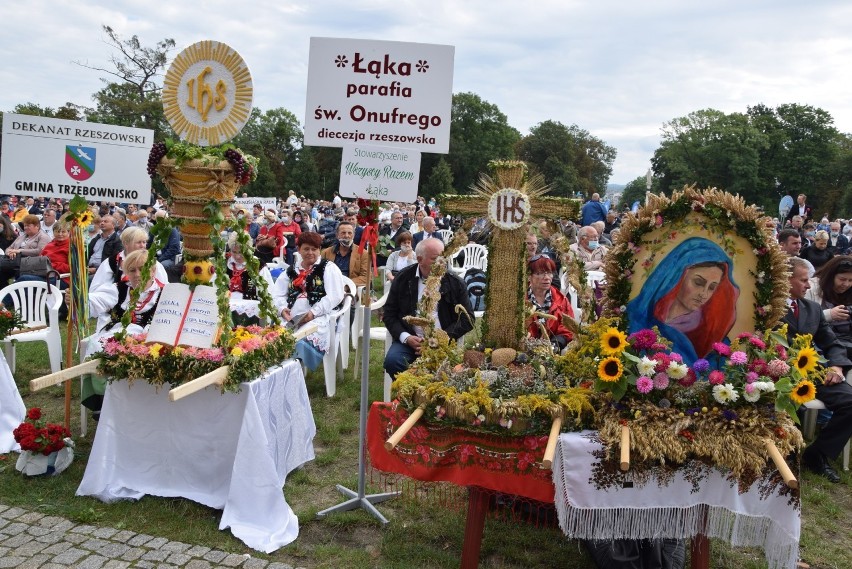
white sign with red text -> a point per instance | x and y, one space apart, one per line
378 92
379 173
62 159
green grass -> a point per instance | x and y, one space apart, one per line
424 532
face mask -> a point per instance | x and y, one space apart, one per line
810 233
835 234
345 242
592 245
405 249
241 216
263 221
285 220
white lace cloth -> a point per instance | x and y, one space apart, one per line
12 409
672 510
231 452
244 306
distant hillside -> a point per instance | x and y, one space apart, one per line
615 188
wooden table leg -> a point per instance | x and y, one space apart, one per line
699 550
477 507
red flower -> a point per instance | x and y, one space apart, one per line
34 414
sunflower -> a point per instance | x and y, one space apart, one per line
610 369
613 341
803 392
806 361
85 219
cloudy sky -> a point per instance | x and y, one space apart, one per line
619 69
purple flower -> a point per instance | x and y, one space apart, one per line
739 358
729 415
701 365
751 377
644 384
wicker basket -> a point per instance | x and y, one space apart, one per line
192 186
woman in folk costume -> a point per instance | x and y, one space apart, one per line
132 239
109 304
310 292
241 285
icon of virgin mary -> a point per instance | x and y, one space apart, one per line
690 296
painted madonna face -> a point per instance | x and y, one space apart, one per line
698 287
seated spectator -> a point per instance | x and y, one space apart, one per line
7 233
546 299
345 255
28 244
587 249
402 257
48 221
818 253
270 239
240 283
105 245
309 292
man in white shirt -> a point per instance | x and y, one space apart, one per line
588 250
48 221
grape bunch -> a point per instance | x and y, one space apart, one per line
242 169
157 152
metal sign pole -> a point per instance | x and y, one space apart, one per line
359 499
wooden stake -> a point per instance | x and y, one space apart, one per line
625 448
90 366
781 464
215 377
550 450
404 428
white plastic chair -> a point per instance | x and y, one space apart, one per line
475 256
38 304
343 331
812 409
377 333
329 360
446 235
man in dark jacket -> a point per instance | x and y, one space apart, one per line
405 293
805 317
105 245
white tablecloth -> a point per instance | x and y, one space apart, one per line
231 452
12 409
760 517
244 306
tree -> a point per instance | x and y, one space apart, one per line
68 111
440 180
571 160
479 133
634 191
135 99
760 155
274 137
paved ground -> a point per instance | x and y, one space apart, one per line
29 540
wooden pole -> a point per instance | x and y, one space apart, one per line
404 428
90 366
550 450
215 377
781 464
625 448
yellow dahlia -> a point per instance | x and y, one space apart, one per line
803 392
610 369
806 360
613 341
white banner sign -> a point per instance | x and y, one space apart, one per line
379 92
379 173
60 159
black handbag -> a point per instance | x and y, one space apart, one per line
36 265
